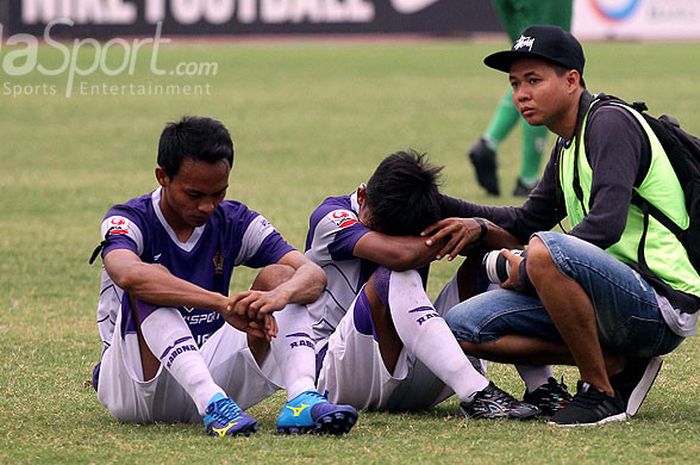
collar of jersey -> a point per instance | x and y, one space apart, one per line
189 244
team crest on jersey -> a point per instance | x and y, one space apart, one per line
342 219
218 263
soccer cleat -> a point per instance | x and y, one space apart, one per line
590 407
484 161
492 402
311 412
550 397
223 417
635 381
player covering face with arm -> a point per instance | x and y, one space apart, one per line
389 347
176 347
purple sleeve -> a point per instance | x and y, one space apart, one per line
614 148
343 245
121 230
272 249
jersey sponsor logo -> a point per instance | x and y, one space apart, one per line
202 318
524 42
118 225
296 411
342 219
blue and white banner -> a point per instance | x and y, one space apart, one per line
637 19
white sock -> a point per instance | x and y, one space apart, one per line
425 334
534 375
293 350
170 340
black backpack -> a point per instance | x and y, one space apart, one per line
683 151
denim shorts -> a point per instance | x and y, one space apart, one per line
628 316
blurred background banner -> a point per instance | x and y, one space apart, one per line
636 19
107 18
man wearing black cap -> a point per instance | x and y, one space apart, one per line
613 293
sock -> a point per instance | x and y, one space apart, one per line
502 122
293 350
534 375
169 338
425 334
534 145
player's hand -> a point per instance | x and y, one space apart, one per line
255 304
513 281
460 231
267 329
261 329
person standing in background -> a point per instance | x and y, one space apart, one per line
516 16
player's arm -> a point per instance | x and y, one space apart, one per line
153 283
303 287
398 253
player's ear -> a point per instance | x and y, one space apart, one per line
162 177
361 194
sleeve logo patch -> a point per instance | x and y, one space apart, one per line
118 226
342 219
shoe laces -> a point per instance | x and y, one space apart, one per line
587 396
226 410
496 394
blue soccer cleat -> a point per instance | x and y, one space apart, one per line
311 412
223 417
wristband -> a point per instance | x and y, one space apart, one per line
484 230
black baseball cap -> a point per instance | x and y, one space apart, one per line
550 43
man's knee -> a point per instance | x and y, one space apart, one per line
272 276
539 259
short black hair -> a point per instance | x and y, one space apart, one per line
194 137
402 195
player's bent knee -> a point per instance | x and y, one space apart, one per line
272 276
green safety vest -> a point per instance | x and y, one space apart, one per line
665 256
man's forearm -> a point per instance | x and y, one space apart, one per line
156 285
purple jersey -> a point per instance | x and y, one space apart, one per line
334 229
233 236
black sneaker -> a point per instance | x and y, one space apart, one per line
635 381
550 397
590 407
522 189
492 402
484 161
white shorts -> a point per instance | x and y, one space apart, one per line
129 398
353 371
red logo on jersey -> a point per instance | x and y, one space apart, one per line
347 222
118 221
115 231
342 219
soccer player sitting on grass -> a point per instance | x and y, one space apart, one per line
176 348
381 343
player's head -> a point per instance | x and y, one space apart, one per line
402 196
197 138
195 156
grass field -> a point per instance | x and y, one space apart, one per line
308 120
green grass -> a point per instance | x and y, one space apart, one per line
308 120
